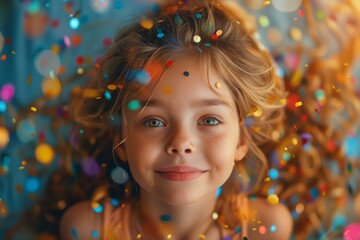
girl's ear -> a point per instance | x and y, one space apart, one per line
241 151
119 146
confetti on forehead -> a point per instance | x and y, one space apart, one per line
167 90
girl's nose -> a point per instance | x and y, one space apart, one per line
180 144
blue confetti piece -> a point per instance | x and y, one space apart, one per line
273 173
74 233
165 218
95 234
114 202
273 228
107 95
218 192
160 35
98 209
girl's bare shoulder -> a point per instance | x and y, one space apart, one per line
81 221
269 221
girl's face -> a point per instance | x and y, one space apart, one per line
184 144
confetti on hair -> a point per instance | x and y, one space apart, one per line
169 63
218 85
198 15
214 36
107 95
298 104
147 24
197 39
134 105
160 35
97 207
273 199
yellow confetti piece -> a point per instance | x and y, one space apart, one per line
219 32
258 112
13 52
139 236
298 104
218 85
283 101
267 179
296 34
267 3
56 48
34 109
197 38
296 78
201 236
169 236
215 215
273 199
80 71
91 93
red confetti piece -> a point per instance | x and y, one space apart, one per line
303 118
79 60
169 63
301 13
106 42
55 23
351 133
7 40
214 36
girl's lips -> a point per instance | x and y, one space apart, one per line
180 173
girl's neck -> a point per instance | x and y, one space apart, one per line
155 219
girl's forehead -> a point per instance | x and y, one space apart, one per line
184 77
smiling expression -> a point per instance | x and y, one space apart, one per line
183 144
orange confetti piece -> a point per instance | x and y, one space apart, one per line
3 57
76 40
29 79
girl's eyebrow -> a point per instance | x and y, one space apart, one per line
196 103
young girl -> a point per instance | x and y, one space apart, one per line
188 97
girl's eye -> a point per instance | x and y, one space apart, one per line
210 121
154 123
